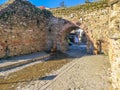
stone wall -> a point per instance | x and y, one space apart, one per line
22 28
25 29
102 24
94 17
54 34
114 46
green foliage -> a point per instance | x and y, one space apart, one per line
47 13
37 10
24 8
101 0
81 8
5 15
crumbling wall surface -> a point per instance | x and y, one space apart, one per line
22 28
114 46
93 16
55 35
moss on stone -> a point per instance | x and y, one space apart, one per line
84 7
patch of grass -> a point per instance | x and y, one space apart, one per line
81 8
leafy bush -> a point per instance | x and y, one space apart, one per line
47 13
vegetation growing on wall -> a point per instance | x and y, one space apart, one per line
84 7
23 26
24 7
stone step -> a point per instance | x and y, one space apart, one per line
22 60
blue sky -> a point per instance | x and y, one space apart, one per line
2 1
52 3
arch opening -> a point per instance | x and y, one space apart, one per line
77 41
74 37
63 38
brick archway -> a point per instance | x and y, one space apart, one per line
67 28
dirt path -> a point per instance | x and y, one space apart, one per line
87 73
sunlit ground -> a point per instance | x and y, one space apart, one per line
33 72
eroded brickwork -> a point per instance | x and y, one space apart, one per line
25 29
93 19
22 28
114 46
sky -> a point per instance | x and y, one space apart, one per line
52 3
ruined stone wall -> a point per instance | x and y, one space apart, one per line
114 46
22 29
25 29
94 17
54 34
103 24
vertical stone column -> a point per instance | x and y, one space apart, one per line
114 46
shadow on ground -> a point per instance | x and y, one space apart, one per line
51 77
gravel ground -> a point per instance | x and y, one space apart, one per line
86 73
89 73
